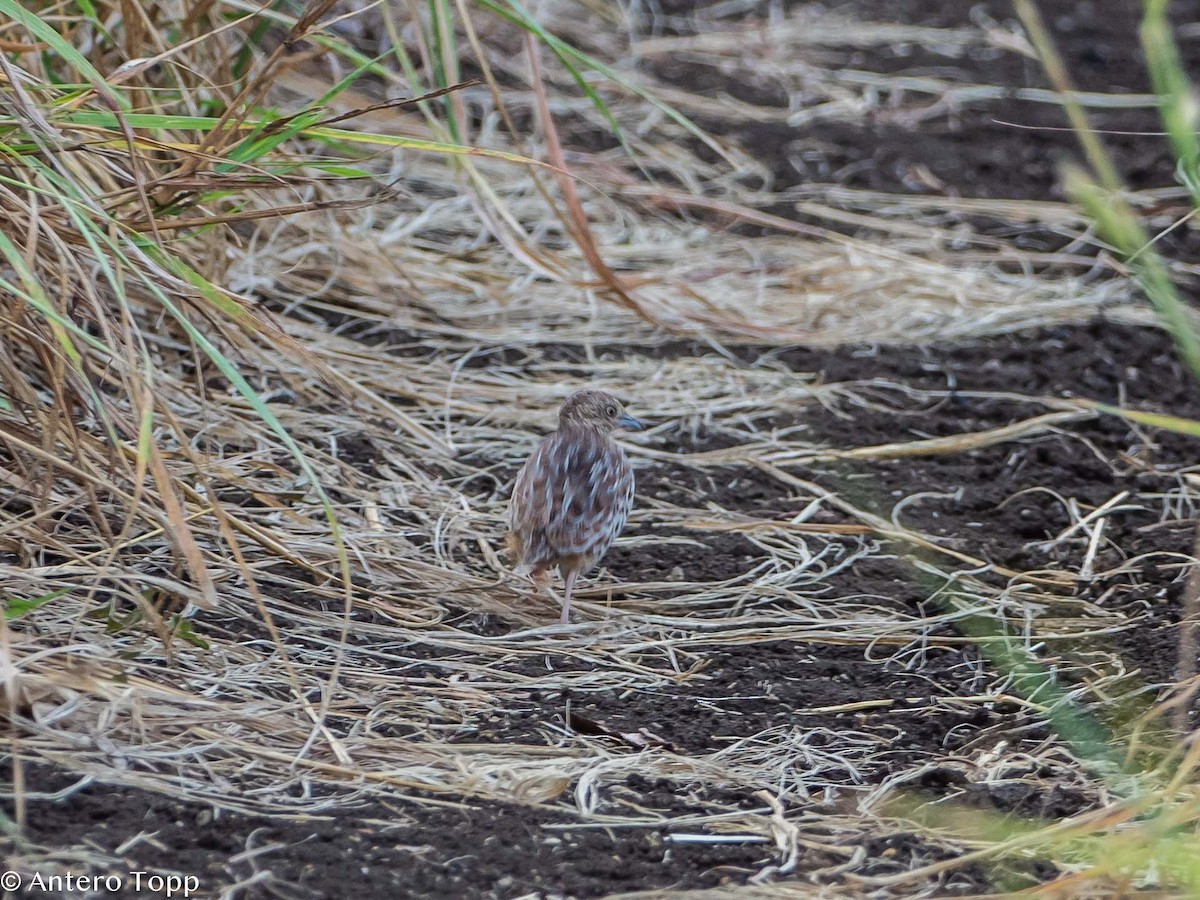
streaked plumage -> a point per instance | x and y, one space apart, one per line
573 495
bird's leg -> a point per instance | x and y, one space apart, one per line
569 577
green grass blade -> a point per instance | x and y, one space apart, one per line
15 607
1056 70
31 292
1176 98
101 119
566 52
62 48
1119 225
1177 424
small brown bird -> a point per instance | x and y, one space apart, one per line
573 495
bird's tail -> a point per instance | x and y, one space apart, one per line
512 550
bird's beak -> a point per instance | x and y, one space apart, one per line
629 423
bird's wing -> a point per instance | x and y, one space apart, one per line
589 504
572 496
529 508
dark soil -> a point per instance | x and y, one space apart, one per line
485 849
978 501
1009 147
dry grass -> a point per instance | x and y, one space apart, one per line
405 338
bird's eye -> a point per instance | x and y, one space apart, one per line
612 412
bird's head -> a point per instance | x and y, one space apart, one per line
596 411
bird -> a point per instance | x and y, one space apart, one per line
573 495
